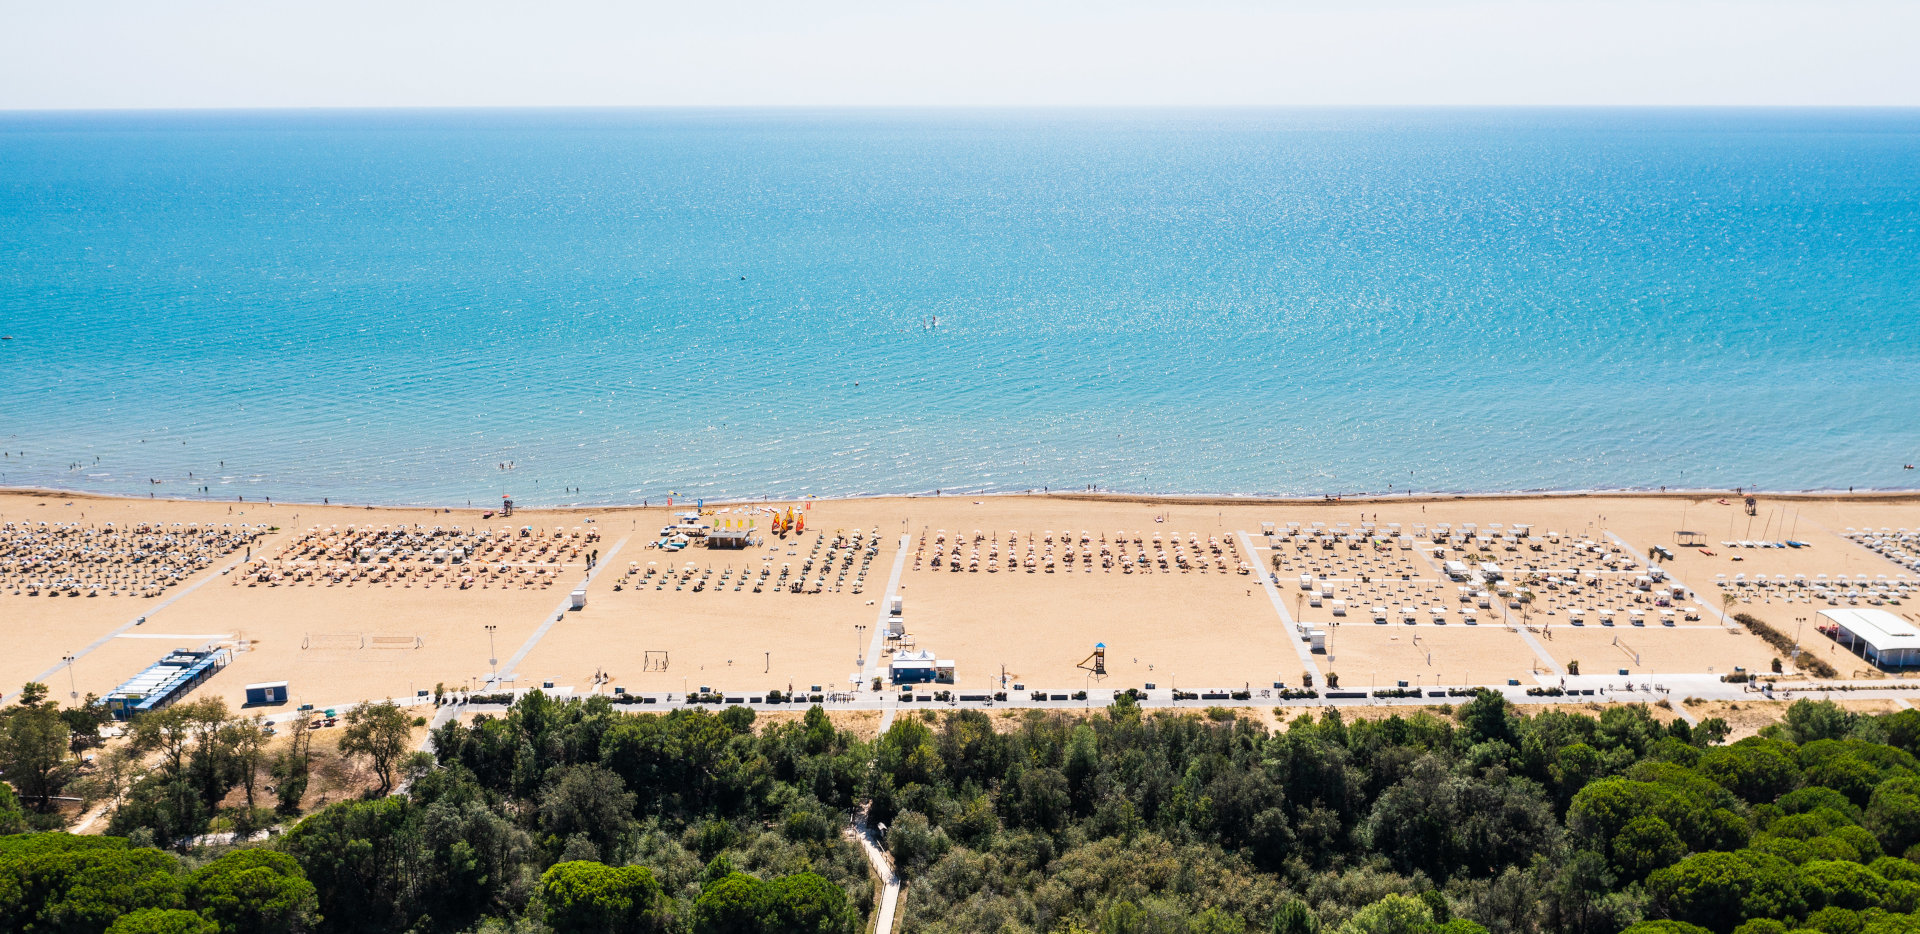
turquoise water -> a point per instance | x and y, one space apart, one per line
387 307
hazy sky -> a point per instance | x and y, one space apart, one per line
265 53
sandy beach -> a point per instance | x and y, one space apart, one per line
348 634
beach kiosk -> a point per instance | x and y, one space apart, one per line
732 534
896 623
919 668
266 692
1878 636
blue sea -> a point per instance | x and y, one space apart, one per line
393 307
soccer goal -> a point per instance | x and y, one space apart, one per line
654 661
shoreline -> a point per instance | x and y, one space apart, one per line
1910 495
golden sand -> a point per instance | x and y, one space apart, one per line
1192 628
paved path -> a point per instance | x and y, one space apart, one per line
877 857
1685 714
1539 649
559 613
1280 606
183 590
871 666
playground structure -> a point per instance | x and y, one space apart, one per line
1097 662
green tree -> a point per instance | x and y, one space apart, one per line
1810 721
1646 844
248 740
252 890
12 819
361 857
583 897
55 882
1294 917
809 904
590 801
1665 926
914 843
1720 890
34 747
291 770
163 921
736 904
1394 914
380 733
1893 813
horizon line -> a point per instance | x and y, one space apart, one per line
1193 107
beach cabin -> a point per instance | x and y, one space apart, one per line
1457 570
1339 607
1316 639
577 599
266 692
1878 636
919 668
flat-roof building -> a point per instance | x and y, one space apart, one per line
164 682
1876 635
919 668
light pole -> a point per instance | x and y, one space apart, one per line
73 690
493 659
1799 622
859 644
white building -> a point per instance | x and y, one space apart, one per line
1877 635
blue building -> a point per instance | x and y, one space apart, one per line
919 668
